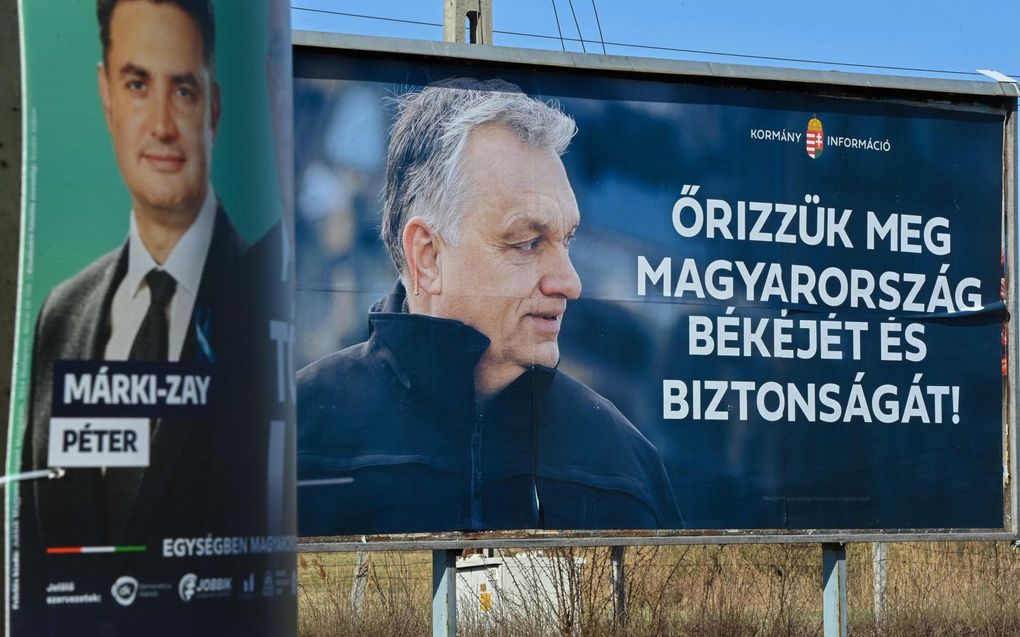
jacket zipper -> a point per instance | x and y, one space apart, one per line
476 472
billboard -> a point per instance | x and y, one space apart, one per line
615 298
151 376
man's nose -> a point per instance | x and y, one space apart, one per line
561 278
161 119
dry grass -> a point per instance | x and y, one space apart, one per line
397 595
699 591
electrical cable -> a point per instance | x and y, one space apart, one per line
652 47
367 17
556 14
577 25
599 24
756 57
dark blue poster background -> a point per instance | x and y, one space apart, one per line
893 433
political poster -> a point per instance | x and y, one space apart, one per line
544 297
151 440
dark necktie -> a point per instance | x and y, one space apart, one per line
151 344
152 340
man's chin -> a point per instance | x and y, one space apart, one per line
172 203
548 358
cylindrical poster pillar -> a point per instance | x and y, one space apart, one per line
154 322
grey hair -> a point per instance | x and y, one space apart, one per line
423 171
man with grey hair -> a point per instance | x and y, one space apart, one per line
453 416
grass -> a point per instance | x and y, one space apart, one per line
951 589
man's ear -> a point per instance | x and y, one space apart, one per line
214 104
103 83
421 250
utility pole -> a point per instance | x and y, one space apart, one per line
467 21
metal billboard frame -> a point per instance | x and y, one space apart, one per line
312 48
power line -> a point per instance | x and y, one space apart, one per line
367 17
599 24
556 14
577 25
752 56
652 47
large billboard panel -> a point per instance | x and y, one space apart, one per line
152 411
566 299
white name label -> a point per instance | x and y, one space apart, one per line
99 442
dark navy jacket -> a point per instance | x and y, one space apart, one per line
397 414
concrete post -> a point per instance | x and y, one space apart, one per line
619 585
467 21
879 580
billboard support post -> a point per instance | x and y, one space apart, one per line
619 592
834 589
878 563
444 593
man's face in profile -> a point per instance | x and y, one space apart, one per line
510 275
161 106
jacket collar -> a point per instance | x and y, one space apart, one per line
225 249
436 357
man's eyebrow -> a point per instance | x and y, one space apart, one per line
187 79
180 79
134 71
521 223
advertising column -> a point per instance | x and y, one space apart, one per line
152 407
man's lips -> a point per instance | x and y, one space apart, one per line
548 322
164 162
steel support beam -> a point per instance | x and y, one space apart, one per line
834 590
444 593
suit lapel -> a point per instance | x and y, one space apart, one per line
96 309
199 346
85 486
224 251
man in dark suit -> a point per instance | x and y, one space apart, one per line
157 298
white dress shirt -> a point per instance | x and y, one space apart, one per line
185 265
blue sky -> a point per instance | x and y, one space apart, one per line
933 34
